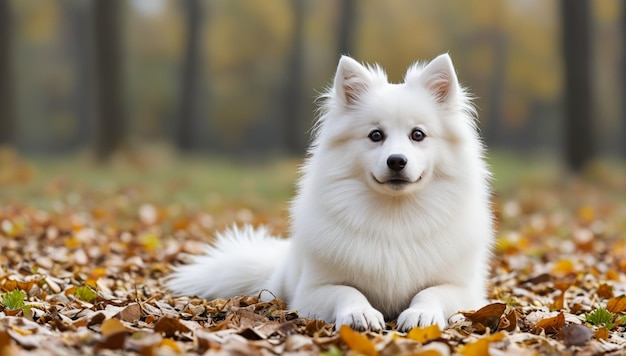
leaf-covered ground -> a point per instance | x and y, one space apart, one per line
84 252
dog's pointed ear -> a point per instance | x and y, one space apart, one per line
439 77
351 80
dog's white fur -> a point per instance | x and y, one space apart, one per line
370 244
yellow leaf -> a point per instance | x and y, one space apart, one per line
586 215
612 275
499 336
171 344
424 334
357 341
151 242
72 243
479 347
92 283
563 268
97 272
111 326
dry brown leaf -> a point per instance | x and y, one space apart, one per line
318 326
511 319
251 334
98 240
7 346
605 291
559 302
130 313
487 316
617 304
601 334
553 324
114 341
169 326
96 319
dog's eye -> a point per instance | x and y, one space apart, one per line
376 136
418 135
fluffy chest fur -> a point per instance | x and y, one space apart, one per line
390 250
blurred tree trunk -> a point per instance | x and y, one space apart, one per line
346 26
76 42
7 103
495 129
293 120
580 142
190 82
111 120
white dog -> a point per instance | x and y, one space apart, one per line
392 218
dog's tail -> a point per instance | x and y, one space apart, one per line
240 263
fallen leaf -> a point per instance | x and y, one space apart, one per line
553 324
613 275
96 319
111 326
511 319
318 326
170 344
130 313
169 326
605 291
617 304
479 347
356 341
251 334
424 334
563 268
586 214
601 334
559 302
487 316
114 341
7 346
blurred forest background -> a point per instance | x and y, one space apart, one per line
239 77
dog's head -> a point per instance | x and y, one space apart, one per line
396 137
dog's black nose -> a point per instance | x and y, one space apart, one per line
396 162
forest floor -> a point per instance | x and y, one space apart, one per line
85 249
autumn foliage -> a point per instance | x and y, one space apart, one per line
82 272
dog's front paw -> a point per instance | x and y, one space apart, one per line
364 318
413 317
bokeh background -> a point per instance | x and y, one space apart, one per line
84 83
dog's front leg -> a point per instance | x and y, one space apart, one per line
436 304
339 304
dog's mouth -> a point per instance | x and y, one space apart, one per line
396 182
